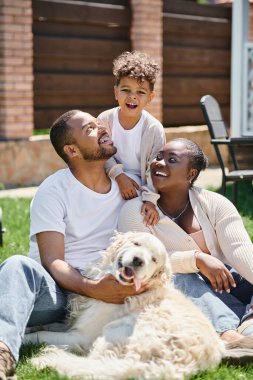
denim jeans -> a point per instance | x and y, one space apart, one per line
28 297
224 310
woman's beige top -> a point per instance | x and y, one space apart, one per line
222 226
199 239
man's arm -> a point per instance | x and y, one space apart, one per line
107 289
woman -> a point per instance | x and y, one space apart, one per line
204 236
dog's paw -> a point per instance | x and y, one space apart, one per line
39 362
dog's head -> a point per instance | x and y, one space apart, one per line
139 258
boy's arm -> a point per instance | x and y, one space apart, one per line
148 195
159 140
127 186
149 199
113 169
151 215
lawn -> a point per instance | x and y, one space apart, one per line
16 240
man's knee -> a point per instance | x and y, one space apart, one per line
188 283
21 268
184 279
17 261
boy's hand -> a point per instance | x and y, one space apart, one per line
151 215
127 186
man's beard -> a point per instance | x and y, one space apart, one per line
100 153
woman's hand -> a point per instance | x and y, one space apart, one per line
216 272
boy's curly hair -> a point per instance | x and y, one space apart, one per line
136 65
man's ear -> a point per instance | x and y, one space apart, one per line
70 151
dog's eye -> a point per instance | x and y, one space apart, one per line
136 243
154 259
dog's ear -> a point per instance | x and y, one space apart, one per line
164 274
167 270
118 239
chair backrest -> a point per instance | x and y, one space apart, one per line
217 128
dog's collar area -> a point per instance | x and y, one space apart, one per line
158 272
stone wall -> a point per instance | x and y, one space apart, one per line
29 162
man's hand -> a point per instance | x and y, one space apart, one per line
127 186
109 290
217 273
151 215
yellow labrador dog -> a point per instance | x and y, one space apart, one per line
158 334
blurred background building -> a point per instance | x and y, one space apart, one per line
57 55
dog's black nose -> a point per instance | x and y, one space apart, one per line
137 262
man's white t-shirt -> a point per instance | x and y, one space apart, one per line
86 219
128 143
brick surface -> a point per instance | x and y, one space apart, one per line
16 69
147 36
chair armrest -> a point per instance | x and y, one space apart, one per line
220 141
233 141
242 140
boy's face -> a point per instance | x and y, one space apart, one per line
132 96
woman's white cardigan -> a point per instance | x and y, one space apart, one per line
222 226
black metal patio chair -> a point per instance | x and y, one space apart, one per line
2 230
219 136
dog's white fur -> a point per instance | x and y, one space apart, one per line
158 334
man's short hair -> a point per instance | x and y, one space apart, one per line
137 65
60 133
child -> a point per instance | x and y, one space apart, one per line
137 135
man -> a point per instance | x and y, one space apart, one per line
73 216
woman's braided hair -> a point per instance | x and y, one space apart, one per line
198 159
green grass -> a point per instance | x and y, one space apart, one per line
25 371
16 240
37 132
15 218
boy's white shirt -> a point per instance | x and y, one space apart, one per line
152 140
128 143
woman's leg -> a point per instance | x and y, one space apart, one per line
221 316
240 298
244 292
28 295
